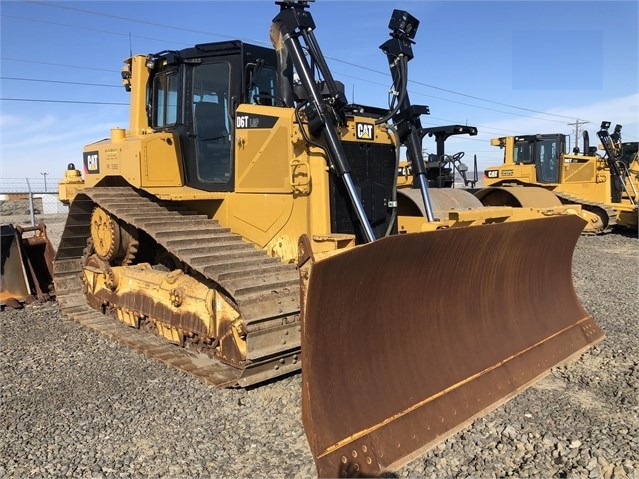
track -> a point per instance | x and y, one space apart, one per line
606 213
264 291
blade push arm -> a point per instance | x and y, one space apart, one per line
294 22
399 52
614 150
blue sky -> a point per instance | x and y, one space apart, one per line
511 67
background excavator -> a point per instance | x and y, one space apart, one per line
606 186
250 217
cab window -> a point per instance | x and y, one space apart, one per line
263 89
523 153
165 100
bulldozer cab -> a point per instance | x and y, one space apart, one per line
544 151
194 93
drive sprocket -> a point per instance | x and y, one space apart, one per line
110 241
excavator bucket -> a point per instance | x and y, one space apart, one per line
408 339
26 265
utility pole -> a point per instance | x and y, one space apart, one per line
45 181
577 124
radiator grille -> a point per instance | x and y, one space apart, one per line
373 172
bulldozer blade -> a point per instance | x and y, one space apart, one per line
407 340
14 278
39 254
26 264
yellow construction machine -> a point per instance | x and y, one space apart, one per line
605 186
250 216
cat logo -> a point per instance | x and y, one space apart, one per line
364 131
91 162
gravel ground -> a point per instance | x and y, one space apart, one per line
75 404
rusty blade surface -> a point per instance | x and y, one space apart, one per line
14 279
407 340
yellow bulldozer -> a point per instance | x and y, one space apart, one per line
250 218
605 186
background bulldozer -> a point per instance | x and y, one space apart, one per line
606 186
252 217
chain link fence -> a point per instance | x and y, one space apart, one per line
29 201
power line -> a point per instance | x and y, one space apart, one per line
45 100
160 40
144 22
480 128
454 101
493 109
83 67
173 27
453 92
60 81
341 74
491 101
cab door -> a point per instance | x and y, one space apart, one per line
207 142
547 158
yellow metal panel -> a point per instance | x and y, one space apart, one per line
143 161
575 169
137 84
257 217
586 177
185 193
161 162
511 171
128 165
114 158
69 185
263 154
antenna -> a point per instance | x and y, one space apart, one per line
130 46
